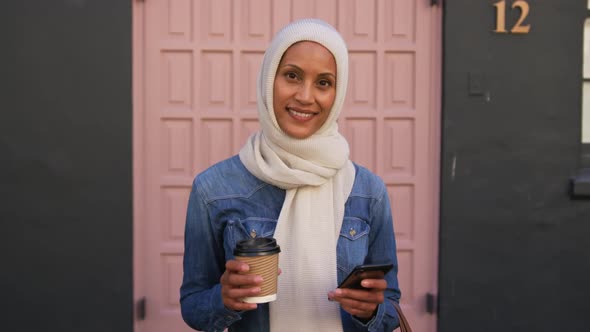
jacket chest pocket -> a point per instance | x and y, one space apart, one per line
238 230
353 244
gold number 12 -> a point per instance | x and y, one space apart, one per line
501 17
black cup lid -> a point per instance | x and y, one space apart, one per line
259 246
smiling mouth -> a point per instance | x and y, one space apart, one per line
300 114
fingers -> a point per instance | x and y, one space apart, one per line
352 296
236 266
374 284
235 285
357 302
233 301
361 302
361 310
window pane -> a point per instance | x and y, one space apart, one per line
586 114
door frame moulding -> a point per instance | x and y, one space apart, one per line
138 88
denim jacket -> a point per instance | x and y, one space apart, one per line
228 204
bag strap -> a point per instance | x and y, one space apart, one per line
403 322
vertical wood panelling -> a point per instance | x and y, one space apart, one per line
326 10
248 127
362 144
249 65
256 21
202 62
173 204
301 9
211 29
358 22
407 279
179 20
177 79
216 137
172 272
403 210
400 80
401 27
176 149
399 156
363 79
219 28
216 93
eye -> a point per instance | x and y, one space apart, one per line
291 75
325 83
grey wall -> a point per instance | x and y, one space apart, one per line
514 246
65 169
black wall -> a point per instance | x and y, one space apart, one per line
65 170
514 247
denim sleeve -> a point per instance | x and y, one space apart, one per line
382 248
200 294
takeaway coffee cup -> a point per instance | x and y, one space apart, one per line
262 255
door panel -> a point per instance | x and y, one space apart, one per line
196 64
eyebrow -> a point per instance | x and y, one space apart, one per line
298 68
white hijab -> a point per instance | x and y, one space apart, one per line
317 176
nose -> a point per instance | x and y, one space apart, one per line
304 93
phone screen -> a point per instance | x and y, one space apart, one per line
360 272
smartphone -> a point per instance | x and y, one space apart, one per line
368 271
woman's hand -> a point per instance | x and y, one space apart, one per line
236 285
361 303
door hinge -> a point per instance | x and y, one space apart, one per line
140 309
431 303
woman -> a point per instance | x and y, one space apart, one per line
293 181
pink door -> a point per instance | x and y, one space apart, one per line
195 66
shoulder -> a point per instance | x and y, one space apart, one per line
367 184
227 178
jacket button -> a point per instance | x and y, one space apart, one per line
253 233
352 232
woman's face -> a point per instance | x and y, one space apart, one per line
304 89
